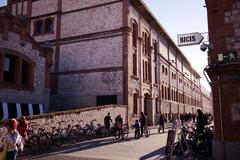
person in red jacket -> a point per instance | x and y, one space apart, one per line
23 127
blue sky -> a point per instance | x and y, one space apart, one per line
178 17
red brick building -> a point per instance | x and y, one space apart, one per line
223 70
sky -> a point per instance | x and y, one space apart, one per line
179 17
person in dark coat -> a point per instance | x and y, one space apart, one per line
161 123
201 121
182 118
107 122
137 129
143 123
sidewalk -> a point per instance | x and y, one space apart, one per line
109 149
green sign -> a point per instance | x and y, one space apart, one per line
227 57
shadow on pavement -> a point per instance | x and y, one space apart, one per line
74 147
156 153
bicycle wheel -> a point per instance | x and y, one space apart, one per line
57 139
72 136
45 141
125 133
147 131
32 144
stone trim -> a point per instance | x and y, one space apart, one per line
92 36
109 69
91 7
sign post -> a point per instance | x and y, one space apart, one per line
189 39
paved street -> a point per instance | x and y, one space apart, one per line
111 149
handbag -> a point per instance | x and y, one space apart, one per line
119 125
3 150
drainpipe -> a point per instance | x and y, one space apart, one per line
221 118
220 107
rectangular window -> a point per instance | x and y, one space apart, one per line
9 68
134 64
135 108
24 109
105 100
157 109
134 37
12 110
156 76
143 71
36 109
26 74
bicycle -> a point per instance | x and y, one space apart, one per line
125 130
146 131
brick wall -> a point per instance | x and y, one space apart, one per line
22 96
223 23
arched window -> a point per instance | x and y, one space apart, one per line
162 92
165 90
38 27
134 41
146 43
163 69
134 34
48 25
17 70
135 100
155 48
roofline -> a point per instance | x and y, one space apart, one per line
166 34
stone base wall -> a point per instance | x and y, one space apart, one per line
75 116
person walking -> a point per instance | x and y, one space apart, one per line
137 129
119 126
161 123
143 123
201 121
22 127
14 140
107 122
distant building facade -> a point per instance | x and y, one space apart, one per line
24 70
112 52
207 102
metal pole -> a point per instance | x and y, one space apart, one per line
221 119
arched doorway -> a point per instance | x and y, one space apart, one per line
148 109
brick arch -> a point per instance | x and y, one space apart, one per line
22 70
135 102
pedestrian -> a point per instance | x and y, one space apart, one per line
23 128
194 117
107 122
143 123
119 126
14 140
161 123
137 129
201 121
182 118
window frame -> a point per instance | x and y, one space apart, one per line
19 58
43 27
